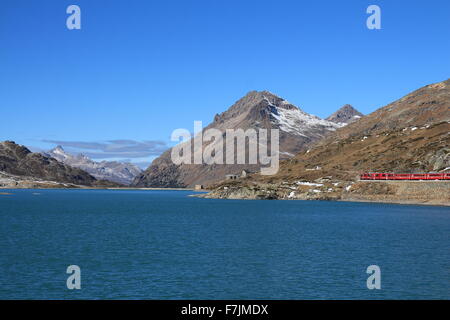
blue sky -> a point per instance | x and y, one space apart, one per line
137 70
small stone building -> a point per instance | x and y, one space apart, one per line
236 176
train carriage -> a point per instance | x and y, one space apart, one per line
404 176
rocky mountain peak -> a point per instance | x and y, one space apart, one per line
58 150
347 114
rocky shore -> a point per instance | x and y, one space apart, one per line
405 192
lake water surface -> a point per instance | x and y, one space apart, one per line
166 245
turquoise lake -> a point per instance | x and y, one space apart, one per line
167 245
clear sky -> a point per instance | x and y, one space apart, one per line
137 70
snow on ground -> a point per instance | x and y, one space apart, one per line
287 153
303 183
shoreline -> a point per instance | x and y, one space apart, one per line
434 193
205 194
399 202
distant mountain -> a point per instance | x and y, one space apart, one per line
19 161
114 171
346 114
257 110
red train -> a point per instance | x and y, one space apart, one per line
405 176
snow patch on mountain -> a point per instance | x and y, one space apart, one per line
299 122
290 118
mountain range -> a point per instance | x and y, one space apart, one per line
256 110
19 161
411 134
120 172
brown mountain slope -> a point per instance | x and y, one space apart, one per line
408 135
427 105
406 150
